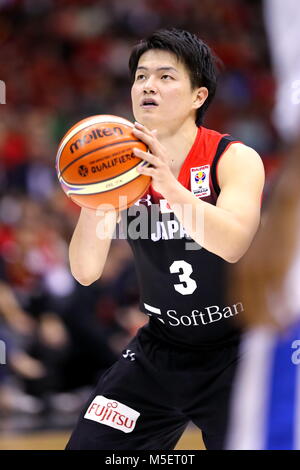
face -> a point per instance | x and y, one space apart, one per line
162 96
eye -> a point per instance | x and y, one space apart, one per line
165 76
140 76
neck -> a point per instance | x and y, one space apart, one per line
178 145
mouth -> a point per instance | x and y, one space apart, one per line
148 103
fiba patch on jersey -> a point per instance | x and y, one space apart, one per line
112 413
200 181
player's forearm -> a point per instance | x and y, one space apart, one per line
90 245
212 227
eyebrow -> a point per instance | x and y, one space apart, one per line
158 69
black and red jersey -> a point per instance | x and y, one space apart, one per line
182 285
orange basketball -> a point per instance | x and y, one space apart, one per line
95 163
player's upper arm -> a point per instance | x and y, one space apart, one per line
241 179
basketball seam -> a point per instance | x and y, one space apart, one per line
95 150
117 208
67 137
112 189
63 144
107 179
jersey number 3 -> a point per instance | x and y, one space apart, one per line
187 285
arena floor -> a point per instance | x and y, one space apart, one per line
56 440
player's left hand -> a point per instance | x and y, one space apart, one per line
163 179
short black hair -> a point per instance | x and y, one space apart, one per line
194 53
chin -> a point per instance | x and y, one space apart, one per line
150 121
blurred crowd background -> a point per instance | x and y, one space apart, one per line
61 61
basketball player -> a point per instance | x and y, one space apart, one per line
178 368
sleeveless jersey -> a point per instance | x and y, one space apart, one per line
182 285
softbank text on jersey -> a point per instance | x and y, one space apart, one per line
206 316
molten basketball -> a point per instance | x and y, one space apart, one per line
95 163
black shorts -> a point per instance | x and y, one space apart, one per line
146 399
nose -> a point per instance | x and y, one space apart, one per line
149 86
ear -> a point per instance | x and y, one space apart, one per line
200 96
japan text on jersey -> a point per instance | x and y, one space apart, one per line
181 284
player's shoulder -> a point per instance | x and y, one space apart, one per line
240 155
239 148
238 161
